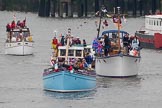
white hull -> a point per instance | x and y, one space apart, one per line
19 48
117 66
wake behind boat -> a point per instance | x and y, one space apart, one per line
117 54
69 71
19 40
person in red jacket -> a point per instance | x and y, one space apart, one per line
54 41
13 24
8 27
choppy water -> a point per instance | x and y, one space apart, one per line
21 76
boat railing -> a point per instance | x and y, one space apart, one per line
51 70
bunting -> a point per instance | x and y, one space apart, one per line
117 22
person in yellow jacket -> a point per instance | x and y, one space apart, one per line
55 45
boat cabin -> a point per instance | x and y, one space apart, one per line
113 36
73 52
116 43
17 35
113 33
153 23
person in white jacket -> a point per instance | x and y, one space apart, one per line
135 43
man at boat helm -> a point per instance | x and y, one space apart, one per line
107 45
126 42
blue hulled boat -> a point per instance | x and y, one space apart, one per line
65 75
64 81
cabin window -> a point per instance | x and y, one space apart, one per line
87 50
26 34
157 23
71 53
150 22
160 23
62 52
154 23
114 35
78 53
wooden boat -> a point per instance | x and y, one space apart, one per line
19 45
64 76
151 35
120 62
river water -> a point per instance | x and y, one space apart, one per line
21 76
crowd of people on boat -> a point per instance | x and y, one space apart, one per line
16 32
14 25
63 41
106 46
76 63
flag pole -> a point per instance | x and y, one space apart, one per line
99 27
67 46
100 13
119 47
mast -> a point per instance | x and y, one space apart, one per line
118 22
101 12
99 27
67 45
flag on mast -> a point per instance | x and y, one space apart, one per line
117 22
14 17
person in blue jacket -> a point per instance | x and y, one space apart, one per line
89 59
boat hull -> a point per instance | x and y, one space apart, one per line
146 41
19 48
150 41
64 81
117 66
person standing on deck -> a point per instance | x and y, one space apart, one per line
78 41
107 45
84 43
95 45
62 41
135 43
89 60
55 45
126 43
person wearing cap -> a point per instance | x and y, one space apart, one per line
84 43
78 41
62 41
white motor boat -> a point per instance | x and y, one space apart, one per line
19 42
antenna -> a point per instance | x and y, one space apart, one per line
118 9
